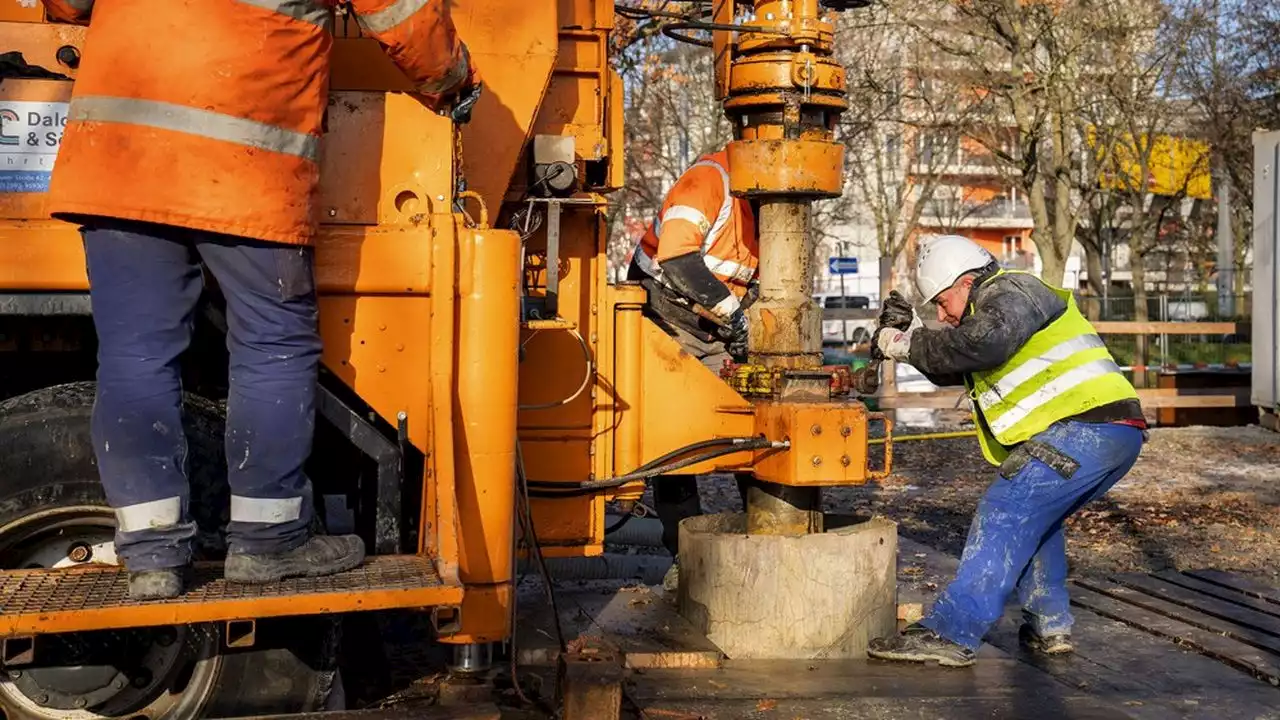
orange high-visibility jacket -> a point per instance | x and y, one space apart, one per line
206 114
700 215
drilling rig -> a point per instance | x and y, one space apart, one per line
485 390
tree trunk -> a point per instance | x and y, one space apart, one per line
1093 265
1140 314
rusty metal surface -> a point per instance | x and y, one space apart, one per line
591 685
90 598
774 509
785 324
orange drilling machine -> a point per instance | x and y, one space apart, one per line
478 365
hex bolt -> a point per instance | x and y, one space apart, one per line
844 460
816 429
42 698
15 674
142 679
119 684
817 460
846 431
81 702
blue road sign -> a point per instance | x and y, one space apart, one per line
843 265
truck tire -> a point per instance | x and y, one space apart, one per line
53 513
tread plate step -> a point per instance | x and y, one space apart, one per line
95 597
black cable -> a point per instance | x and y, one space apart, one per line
531 539
618 525
661 464
556 490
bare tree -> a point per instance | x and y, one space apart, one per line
905 121
671 118
1037 66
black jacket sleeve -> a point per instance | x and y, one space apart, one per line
1006 312
692 279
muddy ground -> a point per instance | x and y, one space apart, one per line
1199 497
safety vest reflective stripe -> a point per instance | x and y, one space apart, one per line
162 513
390 17
1063 370
1005 386
308 11
266 511
688 214
723 269
194 121
1093 369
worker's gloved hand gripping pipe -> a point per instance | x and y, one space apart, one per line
895 314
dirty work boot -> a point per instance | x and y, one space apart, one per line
319 556
1052 644
671 581
918 643
155 584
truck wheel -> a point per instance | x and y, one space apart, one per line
53 514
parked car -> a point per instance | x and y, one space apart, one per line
846 319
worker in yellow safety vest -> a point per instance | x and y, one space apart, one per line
698 261
1053 412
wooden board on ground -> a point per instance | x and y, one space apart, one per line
1237 583
1220 592
1017 707
1263 627
1145 613
1149 676
642 628
995 687
648 631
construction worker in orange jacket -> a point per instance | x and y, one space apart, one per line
192 139
698 260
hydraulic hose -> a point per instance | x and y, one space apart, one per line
662 459
553 489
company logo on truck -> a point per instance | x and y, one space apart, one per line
8 119
30 135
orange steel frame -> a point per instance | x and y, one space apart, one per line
419 309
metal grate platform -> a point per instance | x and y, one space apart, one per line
91 598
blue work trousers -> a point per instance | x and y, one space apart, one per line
145 281
1016 539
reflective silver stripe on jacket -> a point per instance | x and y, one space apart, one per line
152 515
193 121
390 17
1005 386
308 11
265 511
1052 389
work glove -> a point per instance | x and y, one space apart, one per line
896 312
736 336
891 343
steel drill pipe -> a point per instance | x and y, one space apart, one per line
785 324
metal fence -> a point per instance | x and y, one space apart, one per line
1152 351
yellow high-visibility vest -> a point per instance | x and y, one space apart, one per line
1062 371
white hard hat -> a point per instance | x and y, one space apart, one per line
943 259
